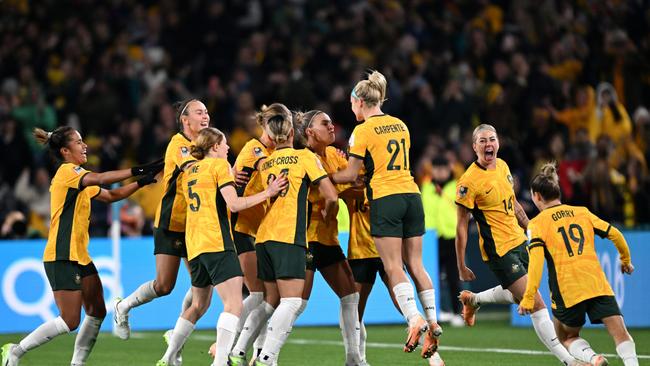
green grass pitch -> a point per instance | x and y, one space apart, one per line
488 343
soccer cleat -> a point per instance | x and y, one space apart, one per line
179 355
237 360
162 363
469 310
414 334
599 360
8 359
121 328
431 340
436 360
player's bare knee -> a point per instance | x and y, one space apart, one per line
163 288
97 311
71 320
233 307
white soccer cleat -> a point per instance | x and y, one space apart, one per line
6 355
121 327
436 360
599 360
179 355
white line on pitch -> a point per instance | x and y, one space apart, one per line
302 341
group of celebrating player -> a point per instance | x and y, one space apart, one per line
269 223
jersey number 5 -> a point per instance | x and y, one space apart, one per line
193 196
576 235
393 148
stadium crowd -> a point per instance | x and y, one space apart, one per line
564 81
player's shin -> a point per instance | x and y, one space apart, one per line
350 326
85 339
546 333
181 332
280 326
226 332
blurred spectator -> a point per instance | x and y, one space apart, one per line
114 73
14 150
580 115
14 226
33 189
438 199
604 183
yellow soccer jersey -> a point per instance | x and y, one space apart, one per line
318 230
208 218
172 209
566 234
360 245
383 143
490 196
247 221
70 212
286 219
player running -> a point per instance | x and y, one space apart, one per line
564 235
68 266
169 225
486 191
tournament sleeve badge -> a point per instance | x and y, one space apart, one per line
185 152
351 140
258 151
78 169
462 191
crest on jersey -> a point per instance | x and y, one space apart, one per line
462 191
185 152
257 151
512 182
78 169
351 140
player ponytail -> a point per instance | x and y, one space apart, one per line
55 140
373 90
547 182
181 110
207 138
278 121
301 122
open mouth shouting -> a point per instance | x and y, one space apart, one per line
489 153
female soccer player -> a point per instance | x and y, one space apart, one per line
169 225
565 235
210 193
69 268
486 191
282 235
316 132
382 143
366 264
246 223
